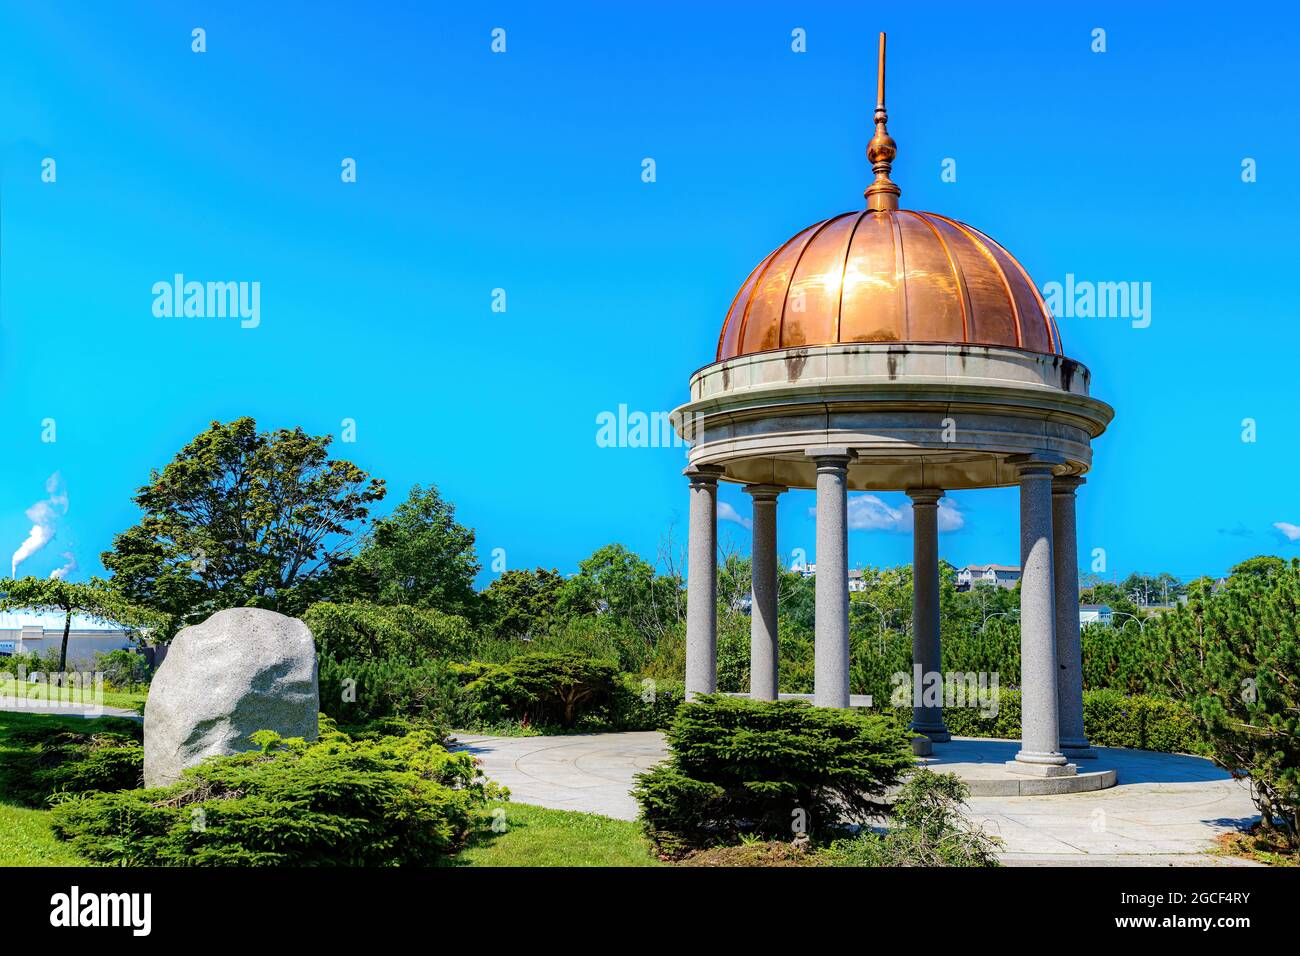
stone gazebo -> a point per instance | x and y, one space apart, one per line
887 349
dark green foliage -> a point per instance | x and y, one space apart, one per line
51 757
363 631
387 801
1233 657
738 766
539 689
359 692
642 703
523 603
241 517
927 828
1110 719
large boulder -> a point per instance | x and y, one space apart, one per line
240 671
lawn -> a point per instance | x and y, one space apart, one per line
25 837
44 692
536 836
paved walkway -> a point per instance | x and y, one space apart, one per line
33 706
1165 810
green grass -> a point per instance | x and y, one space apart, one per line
39 692
536 836
25 837
26 840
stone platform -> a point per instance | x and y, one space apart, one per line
982 766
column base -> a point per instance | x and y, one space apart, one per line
1030 768
938 735
1078 751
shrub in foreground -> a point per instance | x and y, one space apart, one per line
340 801
927 828
750 768
52 758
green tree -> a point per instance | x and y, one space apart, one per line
93 599
1233 655
523 603
419 556
617 582
241 517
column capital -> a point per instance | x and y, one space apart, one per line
925 497
765 492
703 475
1039 465
1066 484
834 457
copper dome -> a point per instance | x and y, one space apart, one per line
888 275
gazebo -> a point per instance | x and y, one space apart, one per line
887 349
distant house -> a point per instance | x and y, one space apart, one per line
857 580
40 632
998 575
1095 614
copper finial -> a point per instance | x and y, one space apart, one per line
883 193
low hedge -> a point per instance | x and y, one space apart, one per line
1110 719
384 801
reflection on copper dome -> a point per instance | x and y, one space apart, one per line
890 275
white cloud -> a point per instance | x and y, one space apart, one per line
870 513
70 565
44 516
727 513
1291 531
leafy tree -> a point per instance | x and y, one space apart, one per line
241 517
523 603
93 599
363 631
1233 655
419 556
617 582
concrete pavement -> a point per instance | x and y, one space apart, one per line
1165 810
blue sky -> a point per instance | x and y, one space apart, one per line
522 171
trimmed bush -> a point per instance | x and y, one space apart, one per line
363 631
387 801
1110 719
738 766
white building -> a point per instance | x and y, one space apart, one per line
1095 614
998 575
39 632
